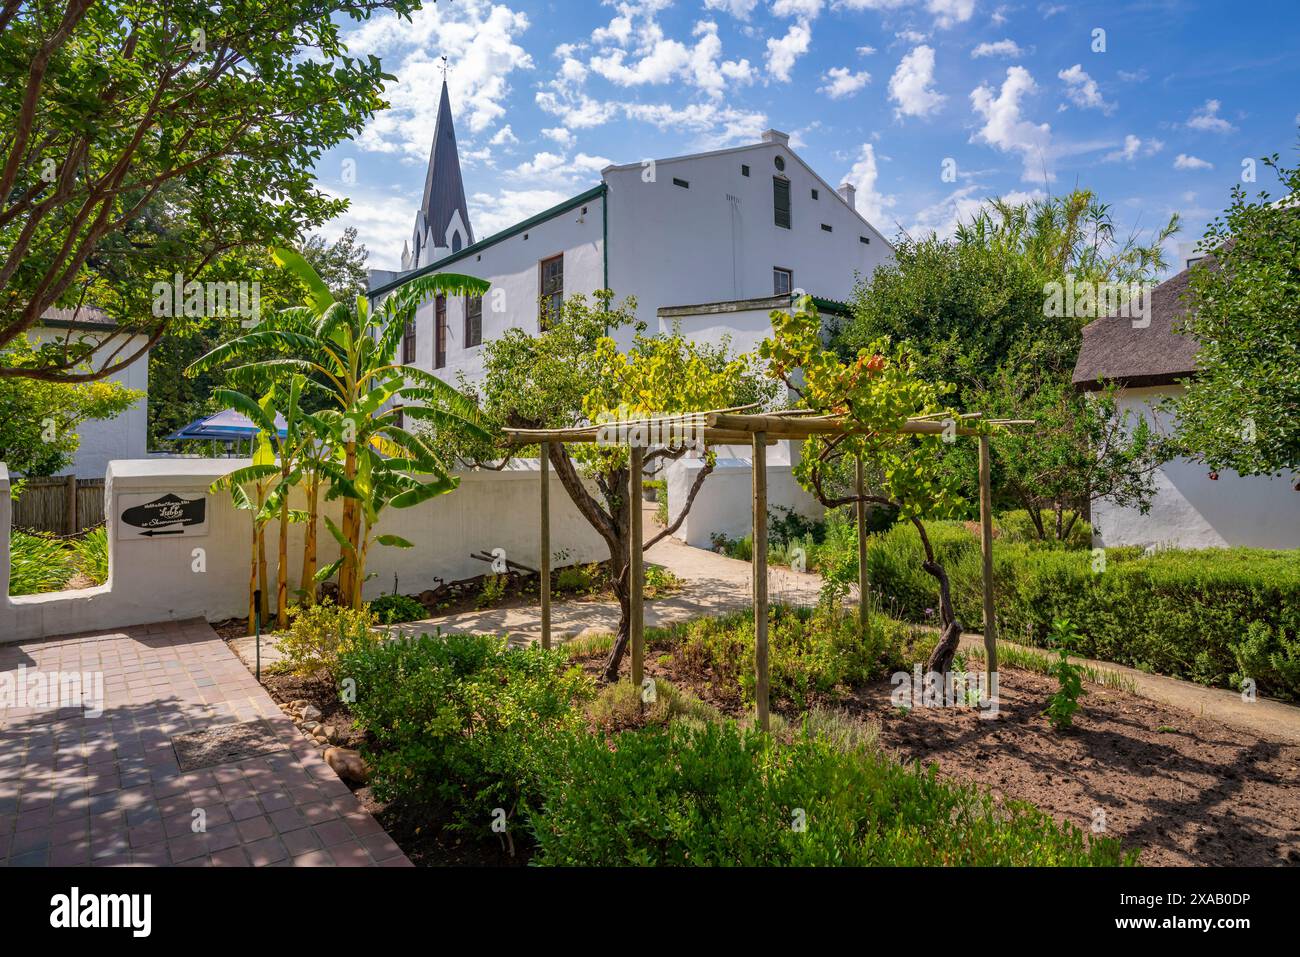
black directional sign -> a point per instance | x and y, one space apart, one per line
162 516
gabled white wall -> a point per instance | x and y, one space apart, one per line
1191 510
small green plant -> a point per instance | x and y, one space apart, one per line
659 581
92 555
576 580
494 589
395 609
38 564
1062 705
319 634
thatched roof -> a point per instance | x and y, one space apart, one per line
1114 350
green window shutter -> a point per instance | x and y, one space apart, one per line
781 201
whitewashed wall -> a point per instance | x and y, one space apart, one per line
1191 510
724 504
127 435
164 579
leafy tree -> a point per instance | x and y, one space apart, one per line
1242 409
574 374
141 140
976 310
39 420
876 392
350 356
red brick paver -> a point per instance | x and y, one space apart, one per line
84 790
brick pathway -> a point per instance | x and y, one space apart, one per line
82 790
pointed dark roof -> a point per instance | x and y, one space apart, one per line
444 191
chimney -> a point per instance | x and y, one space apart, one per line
850 194
776 136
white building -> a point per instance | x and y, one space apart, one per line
713 241
1193 507
126 436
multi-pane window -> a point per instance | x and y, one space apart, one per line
781 201
782 281
440 332
408 343
552 290
473 321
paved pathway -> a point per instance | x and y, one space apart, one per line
76 789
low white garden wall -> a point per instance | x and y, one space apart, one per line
725 503
202 570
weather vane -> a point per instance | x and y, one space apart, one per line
445 67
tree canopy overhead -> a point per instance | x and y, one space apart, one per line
142 140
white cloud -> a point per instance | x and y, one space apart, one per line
561 136
1133 148
872 205
912 36
804 9
553 169
947 13
481 40
494 212
1207 119
866 51
740 9
842 82
504 137
1185 162
383 222
909 87
1008 48
783 52
1005 129
1083 90
658 60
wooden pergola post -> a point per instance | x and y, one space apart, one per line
863 595
986 550
760 579
636 563
545 561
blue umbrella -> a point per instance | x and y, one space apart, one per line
227 426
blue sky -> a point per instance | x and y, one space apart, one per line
1156 114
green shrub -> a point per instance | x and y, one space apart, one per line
575 578
715 795
38 564
1017 527
623 705
395 609
461 720
1069 677
1218 616
92 555
812 654
320 634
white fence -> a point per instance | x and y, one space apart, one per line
201 569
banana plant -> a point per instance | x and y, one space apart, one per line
350 355
237 483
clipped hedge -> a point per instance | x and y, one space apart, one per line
718 795
1216 616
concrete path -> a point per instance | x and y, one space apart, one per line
79 788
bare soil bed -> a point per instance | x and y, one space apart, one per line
1183 789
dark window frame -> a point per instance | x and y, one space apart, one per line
780 186
440 332
789 277
473 331
408 343
555 295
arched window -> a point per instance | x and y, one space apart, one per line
455 241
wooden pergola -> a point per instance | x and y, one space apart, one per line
737 427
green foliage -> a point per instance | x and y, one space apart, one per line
813 655
715 795
1217 616
38 564
462 720
92 555
39 420
493 590
1017 526
395 609
1239 411
575 579
621 704
1065 701
144 140
318 635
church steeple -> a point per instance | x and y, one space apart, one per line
442 224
